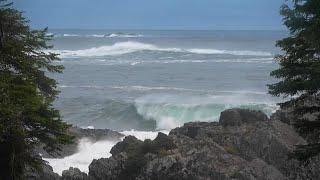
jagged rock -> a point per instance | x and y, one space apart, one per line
74 174
95 134
45 173
127 144
271 141
129 157
236 117
108 168
162 141
258 169
244 145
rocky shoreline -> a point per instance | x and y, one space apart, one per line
243 145
93 134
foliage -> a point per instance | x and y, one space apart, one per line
27 116
232 149
299 71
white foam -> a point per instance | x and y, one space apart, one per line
167 123
115 35
150 88
88 150
166 88
49 34
82 86
71 35
96 35
116 49
138 62
131 46
142 135
240 53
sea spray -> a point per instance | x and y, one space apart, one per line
89 150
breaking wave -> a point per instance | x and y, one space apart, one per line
111 62
131 47
159 111
152 88
171 111
109 35
166 110
122 35
69 35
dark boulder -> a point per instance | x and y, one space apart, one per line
129 143
129 157
73 174
236 117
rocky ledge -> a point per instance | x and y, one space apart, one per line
243 145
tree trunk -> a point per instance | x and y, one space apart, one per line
1 35
12 164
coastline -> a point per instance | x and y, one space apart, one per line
242 145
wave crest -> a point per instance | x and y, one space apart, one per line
131 46
110 35
173 111
160 110
122 35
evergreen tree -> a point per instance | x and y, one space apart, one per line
299 71
27 116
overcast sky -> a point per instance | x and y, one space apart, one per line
153 14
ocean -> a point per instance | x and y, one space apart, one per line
149 81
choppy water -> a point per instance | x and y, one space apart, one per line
150 80
157 80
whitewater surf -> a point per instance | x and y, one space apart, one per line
140 82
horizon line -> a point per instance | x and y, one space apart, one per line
164 29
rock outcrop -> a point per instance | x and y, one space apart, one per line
44 173
237 117
73 174
244 145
